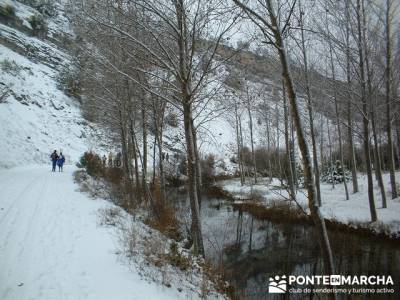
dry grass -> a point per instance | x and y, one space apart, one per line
164 217
128 240
217 276
166 223
80 176
110 216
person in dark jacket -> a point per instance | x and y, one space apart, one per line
54 158
60 162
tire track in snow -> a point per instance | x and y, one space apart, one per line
9 233
17 216
51 248
33 221
18 199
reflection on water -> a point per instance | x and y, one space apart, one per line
250 251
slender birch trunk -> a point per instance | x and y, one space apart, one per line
388 96
292 190
365 117
253 154
310 110
350 97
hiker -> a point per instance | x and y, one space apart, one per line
110 160
117 161
104 160
60 162
54 158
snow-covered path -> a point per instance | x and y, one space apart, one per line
52 248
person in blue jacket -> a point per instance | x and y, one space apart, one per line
54 158
60 162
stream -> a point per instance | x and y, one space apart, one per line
250 251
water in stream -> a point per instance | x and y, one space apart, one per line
251 251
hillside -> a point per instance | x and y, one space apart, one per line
36 115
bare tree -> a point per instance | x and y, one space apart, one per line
365 109
388 91
169 36
265 19
309 104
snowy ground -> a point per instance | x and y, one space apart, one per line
53 248
334 204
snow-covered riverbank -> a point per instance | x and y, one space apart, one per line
334 204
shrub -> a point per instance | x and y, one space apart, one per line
46 7
208 170
335 174
110 216
80 176
92 163
36 22
164 218
177 259
69 81
172 120
182 165
114 175
10 66
270 162
7 11
129 239
166 223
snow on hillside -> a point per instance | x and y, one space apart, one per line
36 117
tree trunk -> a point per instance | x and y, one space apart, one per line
239 149
199 182
330 154
184 79
398 139
341 148
144 162
161 168
194 204
351 149
349 106
310 110
154 160
292 190
253 154
308 170
243 172
377 160
321 143
388 85
338 119
378 164
135 157
365 114
293 154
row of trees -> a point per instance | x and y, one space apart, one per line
141 60
342 114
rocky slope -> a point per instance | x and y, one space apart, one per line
36 115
